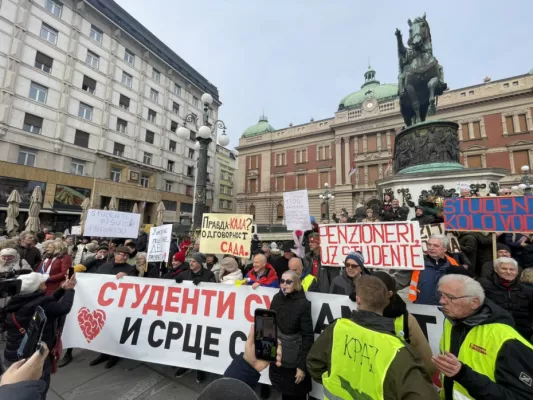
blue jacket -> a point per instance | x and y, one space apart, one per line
429 279
239 369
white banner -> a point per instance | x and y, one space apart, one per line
296 207
159 243
112 224
199 327
386 245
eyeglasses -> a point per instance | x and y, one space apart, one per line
287 281
349 265
450 297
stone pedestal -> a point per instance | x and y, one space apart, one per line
416 182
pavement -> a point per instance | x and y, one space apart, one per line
128 380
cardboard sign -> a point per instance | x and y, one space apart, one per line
296 207
426 231
76 230
199 327
226 234
489 214
112 224
387 245
159 243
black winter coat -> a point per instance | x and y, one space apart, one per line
517 299
112 268
203 275
173 272
32 255
293 317
24 305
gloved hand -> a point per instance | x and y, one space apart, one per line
80 268
196 281
179 279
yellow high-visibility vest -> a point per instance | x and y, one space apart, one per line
307 281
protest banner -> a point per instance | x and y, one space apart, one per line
112 224
489 214
438 229
199 327
76 230
388 245
296 207
226 234
159 243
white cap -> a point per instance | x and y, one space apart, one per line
31 282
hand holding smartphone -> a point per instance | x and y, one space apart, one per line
33 334
265 334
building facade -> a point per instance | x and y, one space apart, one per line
353 149
225 174
90 102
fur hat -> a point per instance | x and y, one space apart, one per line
274 249
31 282
229 264
9 252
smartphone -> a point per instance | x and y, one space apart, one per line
265 335
33 335
70 272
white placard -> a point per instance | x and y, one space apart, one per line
76 230
112 224
159 243
296 206
199 327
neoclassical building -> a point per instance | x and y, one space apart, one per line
495 130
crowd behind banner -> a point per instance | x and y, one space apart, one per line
456 270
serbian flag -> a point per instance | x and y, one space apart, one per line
353 170
389 165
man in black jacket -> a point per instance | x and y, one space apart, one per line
196 273
482 357
28 251
142 242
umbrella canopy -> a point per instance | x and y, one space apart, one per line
13 202
105 208
33 223
135 209
113 205
84 207
159 216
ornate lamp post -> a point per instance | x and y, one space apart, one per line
204 137
526 181
326 196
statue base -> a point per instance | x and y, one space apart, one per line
426 147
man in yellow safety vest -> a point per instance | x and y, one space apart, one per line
362 358
482 356
309 282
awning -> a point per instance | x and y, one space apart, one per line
48 211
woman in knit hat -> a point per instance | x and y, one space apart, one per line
354 267
229 271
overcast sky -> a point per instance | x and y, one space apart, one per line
297 59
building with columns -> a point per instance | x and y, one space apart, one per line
90 102
495 130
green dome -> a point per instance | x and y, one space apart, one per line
372 88
261 127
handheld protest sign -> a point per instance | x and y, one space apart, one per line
386 245
489 214
112 224
426 231
226 234
296 208
159 243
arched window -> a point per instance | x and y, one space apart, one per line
279 211
251 210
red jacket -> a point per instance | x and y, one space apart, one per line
57 272
268 279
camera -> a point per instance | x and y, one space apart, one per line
9 284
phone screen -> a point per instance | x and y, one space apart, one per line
265 335
33 335
70 272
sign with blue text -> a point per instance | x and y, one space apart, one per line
112 224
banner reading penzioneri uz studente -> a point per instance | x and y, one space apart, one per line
200 327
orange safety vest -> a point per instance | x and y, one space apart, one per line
413 291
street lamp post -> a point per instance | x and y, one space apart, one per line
327 195
204 138
526 181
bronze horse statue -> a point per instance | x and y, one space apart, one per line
421 77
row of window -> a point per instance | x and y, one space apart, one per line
226 189
227 204
226 176
279 182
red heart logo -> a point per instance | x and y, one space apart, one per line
91 323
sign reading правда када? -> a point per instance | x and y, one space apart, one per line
388 245
226 234
489 214
296 205
112 224
159 243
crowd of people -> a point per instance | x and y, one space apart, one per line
486 350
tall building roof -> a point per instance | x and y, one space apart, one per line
261 127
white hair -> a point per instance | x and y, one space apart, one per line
443 239
505 260
471 287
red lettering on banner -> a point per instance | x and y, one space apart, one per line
266 301
172 292
106 302
186 300
248 305
155 300
228 303
233 248
125 287
139 295
208 294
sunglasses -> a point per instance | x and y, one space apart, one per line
349 265
287 281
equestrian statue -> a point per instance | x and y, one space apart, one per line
421 78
